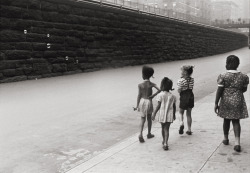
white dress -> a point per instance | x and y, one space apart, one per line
166 111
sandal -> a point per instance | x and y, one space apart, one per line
165 147
181 129
141 139
189 132
225 141
237 148
150 136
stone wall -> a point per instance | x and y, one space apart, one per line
87 37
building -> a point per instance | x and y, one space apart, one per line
224 11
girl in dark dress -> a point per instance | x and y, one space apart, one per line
230 102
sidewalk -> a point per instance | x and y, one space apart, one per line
201 152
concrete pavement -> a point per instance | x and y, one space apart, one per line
201 152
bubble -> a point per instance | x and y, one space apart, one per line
25 31
48 45
66 58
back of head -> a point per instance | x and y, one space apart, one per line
147 72
166 84
232 62
188 69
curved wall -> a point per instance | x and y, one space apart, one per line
87 37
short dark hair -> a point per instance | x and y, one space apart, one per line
166 84
232 62
147 72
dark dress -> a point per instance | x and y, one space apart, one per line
232 104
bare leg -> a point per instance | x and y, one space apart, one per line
181 112
163 133
166 131
181 118
149 123
226 128
237 130
143 119
189 118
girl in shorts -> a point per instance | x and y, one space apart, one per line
185 88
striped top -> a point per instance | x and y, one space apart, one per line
185 84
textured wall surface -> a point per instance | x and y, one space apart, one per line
85 37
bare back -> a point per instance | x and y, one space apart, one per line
145 89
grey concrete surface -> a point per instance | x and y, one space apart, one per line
201 152
52 125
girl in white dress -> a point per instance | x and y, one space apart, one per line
167 108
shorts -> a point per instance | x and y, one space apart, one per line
145 107
186 99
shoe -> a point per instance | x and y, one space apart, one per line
150 136
165 147
189 132
141 139
237 148
225 141
181 129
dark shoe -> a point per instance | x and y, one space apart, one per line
150 136
141 139
237 148
225 141
181 129
189 133
165 147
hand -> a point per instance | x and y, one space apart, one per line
151 97
153 117
216 108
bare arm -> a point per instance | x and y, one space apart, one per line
156 110
138 98
217 99
174 110
158 91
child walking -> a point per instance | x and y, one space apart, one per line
230 102
185 88
166 105
144 100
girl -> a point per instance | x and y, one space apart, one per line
144 100
166 105
232 106
185 88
